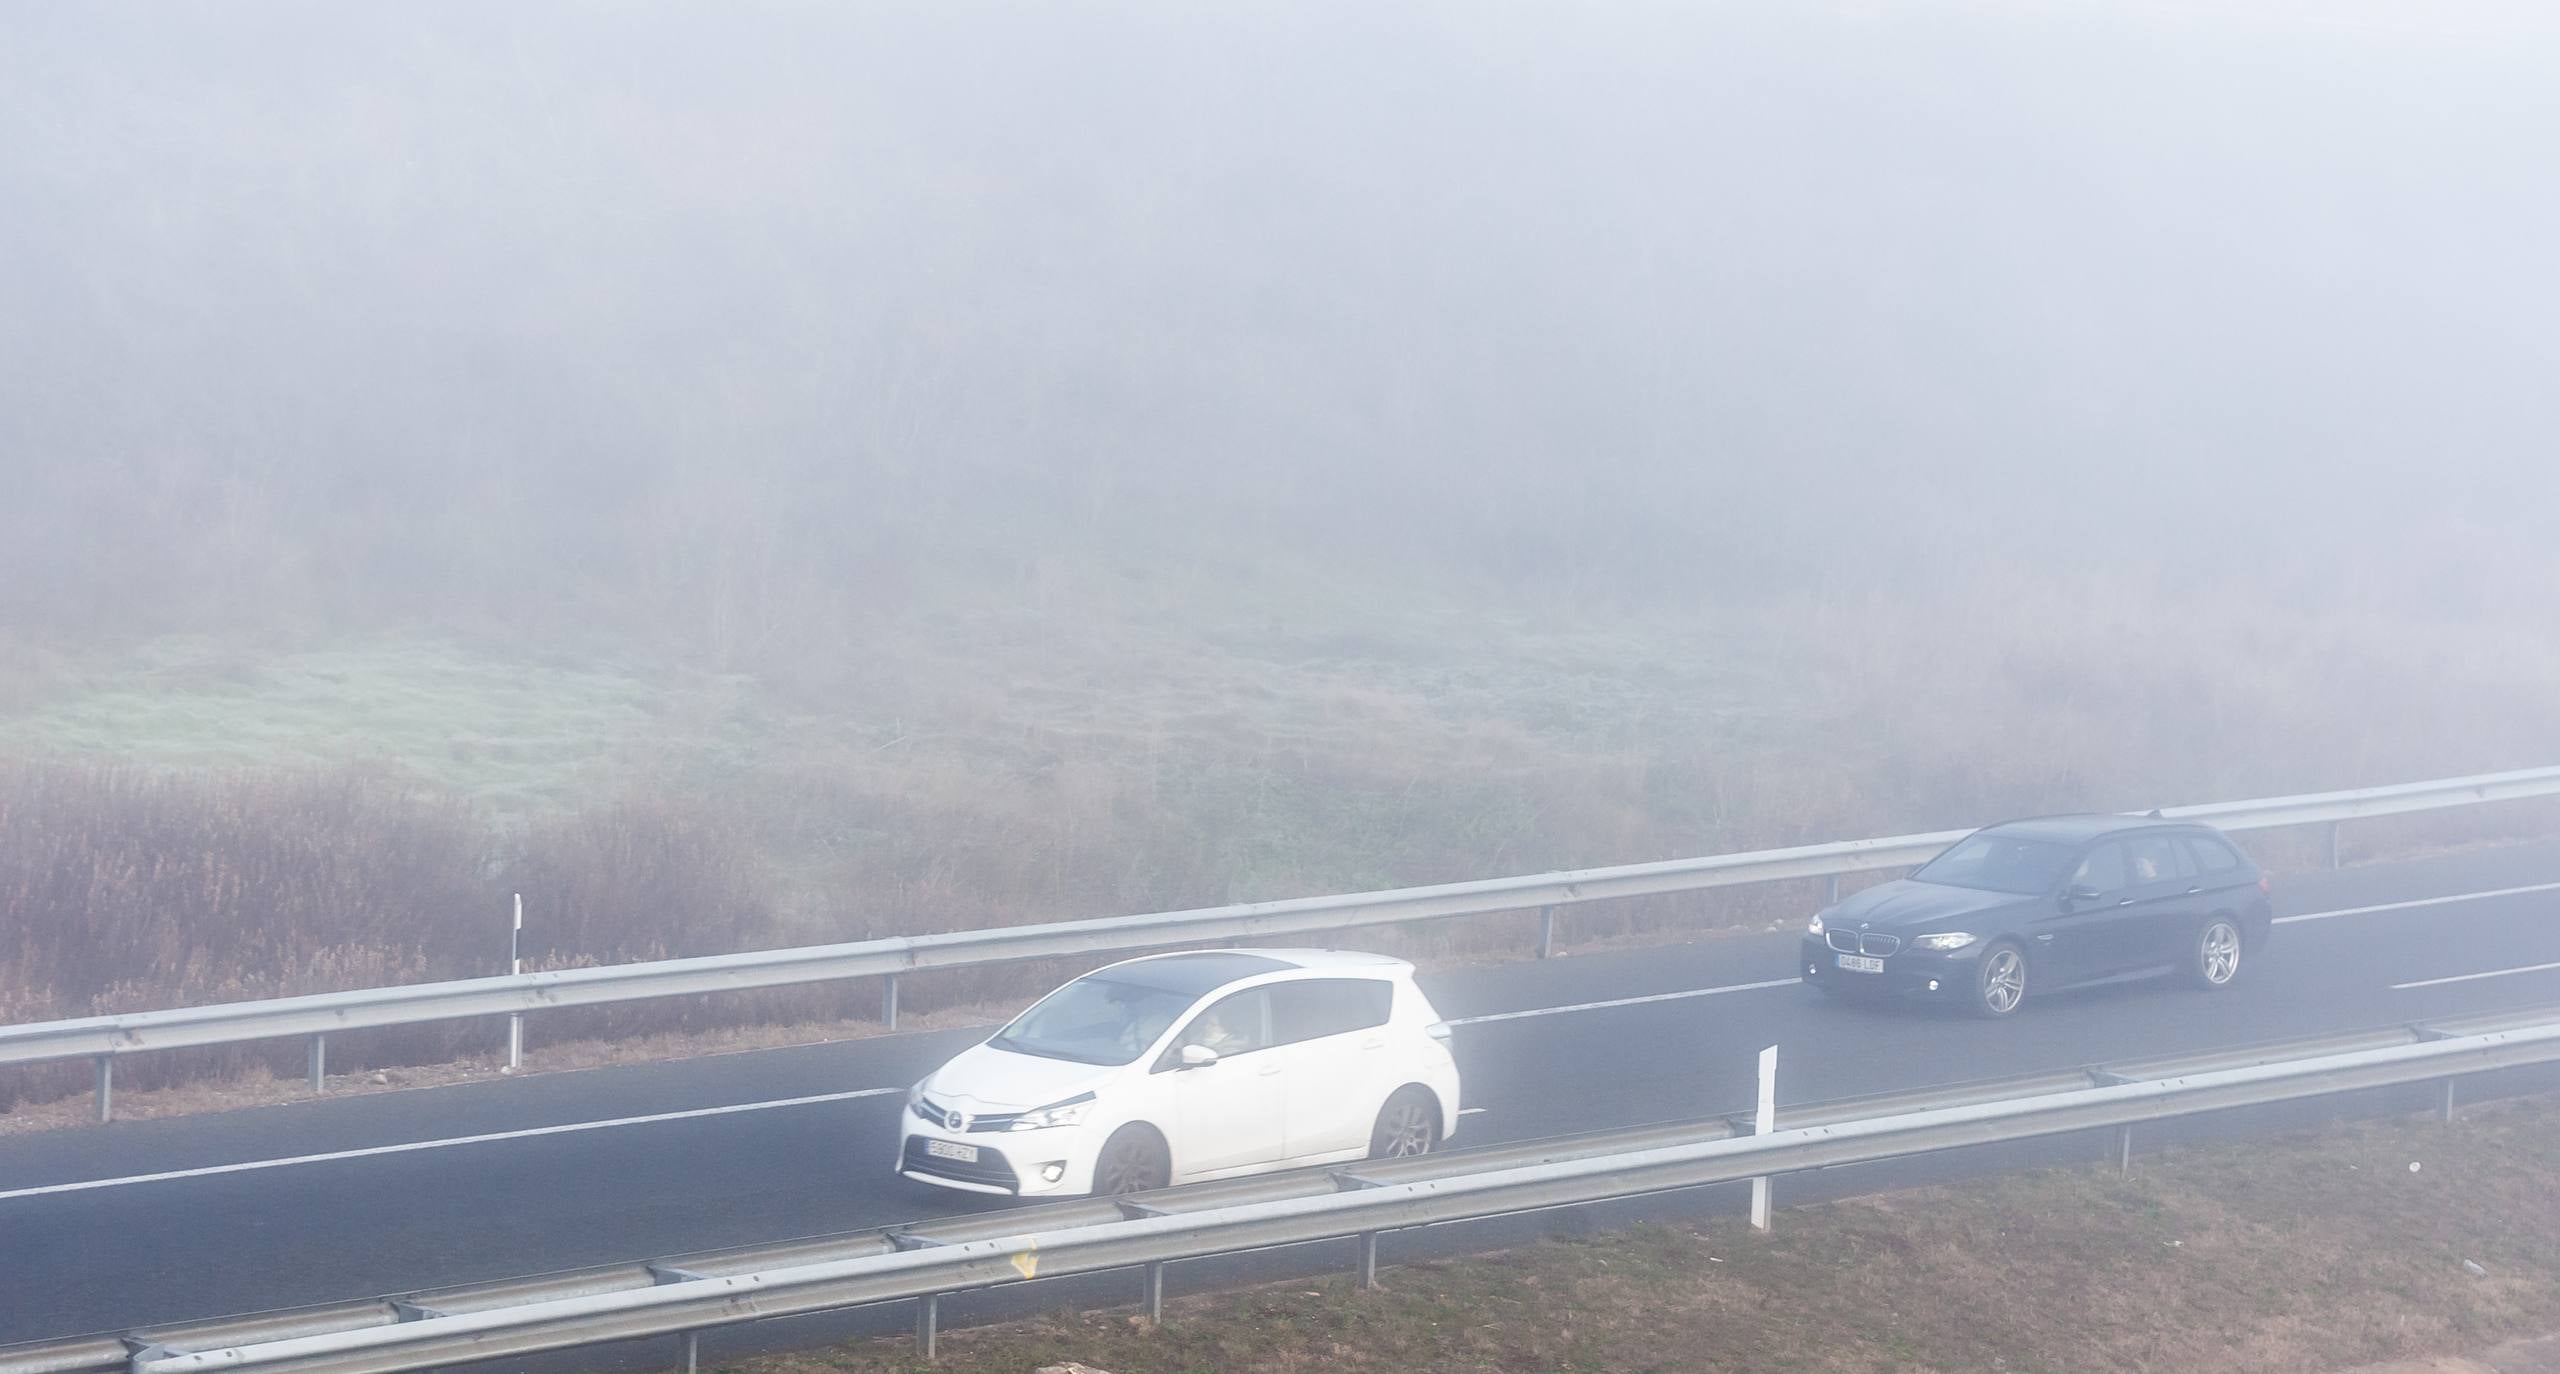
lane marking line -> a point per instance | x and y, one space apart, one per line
405 1147
2471 977
1622 1002
2421 901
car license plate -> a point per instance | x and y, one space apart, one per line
1860 963
944 1149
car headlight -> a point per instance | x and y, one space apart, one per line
915 1099
1953 939
1814 926
1065 1113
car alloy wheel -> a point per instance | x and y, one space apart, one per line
2004 980
1406 1127
1132 1161
2218 954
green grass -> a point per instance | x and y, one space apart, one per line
2311 1252
511 735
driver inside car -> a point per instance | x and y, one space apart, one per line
1213 1031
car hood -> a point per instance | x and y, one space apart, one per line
985 1079
1905 905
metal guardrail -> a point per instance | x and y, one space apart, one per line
116 1352
102 1038
684 1304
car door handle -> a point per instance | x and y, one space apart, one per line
1268 1070
2193 891
2127 901
1373 1042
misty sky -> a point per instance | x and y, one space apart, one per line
366 282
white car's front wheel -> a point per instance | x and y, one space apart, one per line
1133 1160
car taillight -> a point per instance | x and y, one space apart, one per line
2266 884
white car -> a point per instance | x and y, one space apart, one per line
1180 1067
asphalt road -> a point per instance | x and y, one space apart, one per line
151 1222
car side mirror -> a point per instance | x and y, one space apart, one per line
1198 1056
2076 894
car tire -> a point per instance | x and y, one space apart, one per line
2213 960
1999 982
1133 1160
1408 1125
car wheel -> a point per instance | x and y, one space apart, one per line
1133 1160
2215 959
2000 981
1408 1125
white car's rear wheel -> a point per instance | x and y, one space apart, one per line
1408 1125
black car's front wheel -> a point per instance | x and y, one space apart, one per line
2000 981
2215 958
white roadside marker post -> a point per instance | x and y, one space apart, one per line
515 964
1763 1121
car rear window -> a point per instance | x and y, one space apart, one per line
1313 1008
2157 858
2211 855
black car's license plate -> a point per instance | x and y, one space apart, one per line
1860 963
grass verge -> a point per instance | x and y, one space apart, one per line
2316 1251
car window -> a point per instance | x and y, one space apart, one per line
1238 1023
1998 863
2156 858
2103 870
2211 855
1318 1007
1094 1021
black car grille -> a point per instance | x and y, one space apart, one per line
990 1167
1865 942
952 1119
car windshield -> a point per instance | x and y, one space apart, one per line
1094 1021
2000 863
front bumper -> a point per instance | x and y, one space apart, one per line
1908 972
1054 1162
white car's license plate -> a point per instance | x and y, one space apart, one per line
1859 963
944 1149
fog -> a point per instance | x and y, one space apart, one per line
367 312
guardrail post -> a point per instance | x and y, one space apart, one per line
1155 1292
2448 1101
928 1311
1368 1259
1546 931
319 1062
2124 1149
1835 889
692 1351
106 1088
889 1001
2334 827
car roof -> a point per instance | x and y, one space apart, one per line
1199 971
1194 972
2086 826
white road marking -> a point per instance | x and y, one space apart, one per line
2421 901
407 1146
2471 977
1791 982
1623 1002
